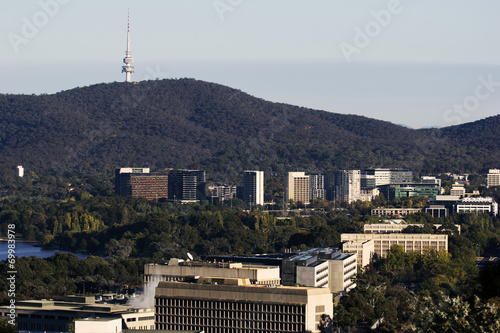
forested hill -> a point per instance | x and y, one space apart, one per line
190 123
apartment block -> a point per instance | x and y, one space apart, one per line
234 306
348 185
409 242
253 187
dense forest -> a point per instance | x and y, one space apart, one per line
189 123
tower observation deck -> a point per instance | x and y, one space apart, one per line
128 60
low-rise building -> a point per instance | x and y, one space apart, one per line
235 305
387 228
409 242
382 211
364 250
477 205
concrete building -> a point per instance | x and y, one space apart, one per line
493 178
178 270
221 193
388 228
342 271
437 210
317 187
297 187
348 185
485 205
253 187
20 171
139 182
186 185
382 211
409 242
383 176
234 305
430 180
458 189
57 315
364 250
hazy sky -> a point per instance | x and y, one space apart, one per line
418 63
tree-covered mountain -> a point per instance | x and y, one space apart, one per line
190 123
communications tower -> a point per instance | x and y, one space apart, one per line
128 60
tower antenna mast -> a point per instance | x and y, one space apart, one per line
128 69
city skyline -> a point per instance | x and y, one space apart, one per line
408 62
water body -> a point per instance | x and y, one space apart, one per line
31 249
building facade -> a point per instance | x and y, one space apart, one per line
364 250
410 242
317 187
493 178
253 187
348 185
382 211
382 176
297 187
234 306
186 185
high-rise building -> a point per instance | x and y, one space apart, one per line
218 305
493 178
297 187
317 187
348 185
128 69
186 185
139 182
253 187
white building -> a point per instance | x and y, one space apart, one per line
342 271
364 250
477 205
409 242
20 171
383 176
297 187
253 187
493 178
348 185
458 189
315 275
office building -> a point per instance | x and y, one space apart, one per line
364 250
317 187
409 190
382 176
430 180
253 187
348 185
139 182
186 185
401 212
477 205
217 305
58 315
458 189
178 270
221 193
493 178
297 187
409 242
387 228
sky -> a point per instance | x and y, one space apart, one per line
417 63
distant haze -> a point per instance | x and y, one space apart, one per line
418 63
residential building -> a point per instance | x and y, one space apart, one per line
409 242
186 185
297 187
253 187
317 187
364 250
178 270
382 211
348 185
217 305
493 178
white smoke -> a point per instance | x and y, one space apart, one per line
147 299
